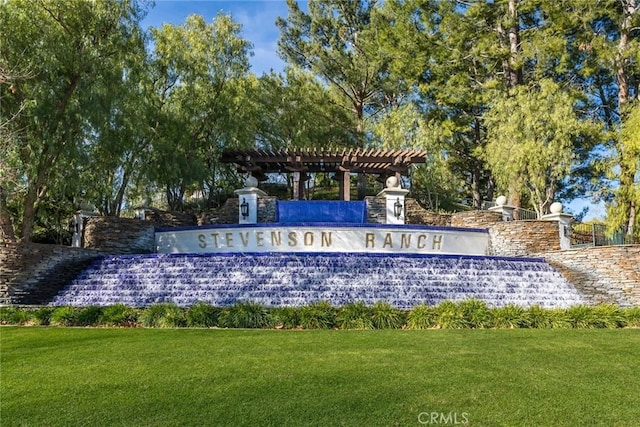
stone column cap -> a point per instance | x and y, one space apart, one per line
250 190
393 192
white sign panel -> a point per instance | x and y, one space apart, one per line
377 239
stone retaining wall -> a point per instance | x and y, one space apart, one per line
603 274
376 210
416 214
119 235
475 219
33 273
521 238
267 206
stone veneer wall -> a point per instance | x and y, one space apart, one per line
266 211
521 238
602 274
416 214
119 235
376 210
169 219
33 273
475 219
267 207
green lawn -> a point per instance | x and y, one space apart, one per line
181 377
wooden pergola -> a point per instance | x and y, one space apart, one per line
342 161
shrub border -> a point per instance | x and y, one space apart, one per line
465 314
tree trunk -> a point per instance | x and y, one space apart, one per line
6 225
627 172
511 39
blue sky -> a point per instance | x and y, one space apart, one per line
257 18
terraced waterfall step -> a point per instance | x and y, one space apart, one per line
300 279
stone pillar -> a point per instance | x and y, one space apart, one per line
394 196
248 201
501 206
78 223
564 224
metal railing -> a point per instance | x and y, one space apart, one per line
519 214
597 235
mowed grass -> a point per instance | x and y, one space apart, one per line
216 377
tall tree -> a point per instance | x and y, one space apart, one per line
337 42
296 110
532 133
200 95
603 38
69 46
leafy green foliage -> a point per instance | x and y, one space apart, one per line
532 137
14 316
244 315
476 313
421 317
89 316
202 315
385 316
71 50
510 316
163 315
609 316
539 317
285 317
354 316
583 317
119 315
42 315
318 315
64 316
632 317
449 316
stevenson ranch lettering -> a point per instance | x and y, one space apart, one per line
429 240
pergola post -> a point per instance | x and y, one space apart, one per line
345 185
296 185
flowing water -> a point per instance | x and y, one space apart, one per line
301 279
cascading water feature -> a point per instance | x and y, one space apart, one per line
274 279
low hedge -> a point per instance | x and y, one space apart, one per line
466 314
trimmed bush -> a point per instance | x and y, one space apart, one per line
609 316
14 316
539 317
582 316
163 315
202 315
354 316
385 316
632 317
284 317
89 316
64 316
510 316
244 315
42 316
119 315
421 317
319 315
475 313
559 318
450 316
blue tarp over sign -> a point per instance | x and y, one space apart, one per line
328 211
